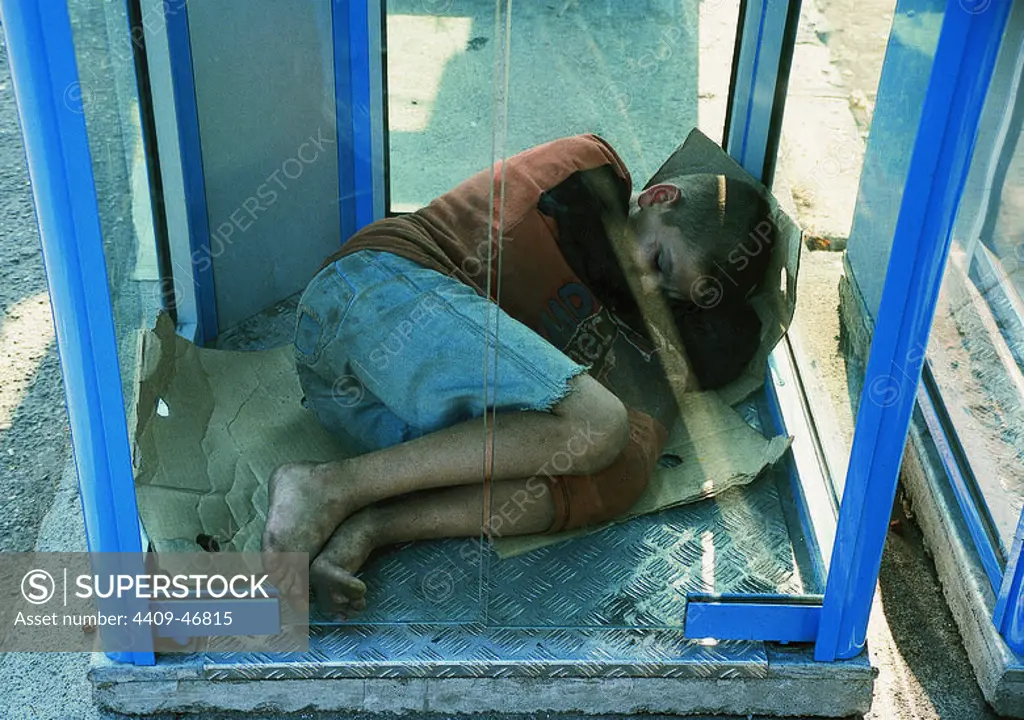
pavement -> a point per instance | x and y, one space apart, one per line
923 669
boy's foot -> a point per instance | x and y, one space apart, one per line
305 507
332 573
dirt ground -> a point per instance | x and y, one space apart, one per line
923 669
33 422
856 34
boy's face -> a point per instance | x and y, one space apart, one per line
667 259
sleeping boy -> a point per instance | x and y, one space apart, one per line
495 350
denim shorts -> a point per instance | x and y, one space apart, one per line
387 351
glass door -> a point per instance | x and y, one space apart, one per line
590 101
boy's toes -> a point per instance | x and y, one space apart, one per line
338 588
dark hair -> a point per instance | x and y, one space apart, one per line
719 342
727 225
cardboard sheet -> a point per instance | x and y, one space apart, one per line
211 425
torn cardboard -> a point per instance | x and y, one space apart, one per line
211 426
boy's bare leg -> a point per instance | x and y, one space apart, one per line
525 506
583 433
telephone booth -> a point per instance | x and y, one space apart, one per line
194 163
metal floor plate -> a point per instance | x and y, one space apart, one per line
422 651
607 605
631 575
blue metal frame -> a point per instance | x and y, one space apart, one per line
345 121
759 84
1009 611
749 617
43 67
376 10
353 92
190 146
962 69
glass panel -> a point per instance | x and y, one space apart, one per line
379 362
976 347
642 292
338 369
621 70
107 96
833 85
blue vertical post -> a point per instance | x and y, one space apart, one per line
1008 614
759 83
940 159
42 60
352 80
179 46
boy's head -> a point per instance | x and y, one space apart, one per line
706 241
703 239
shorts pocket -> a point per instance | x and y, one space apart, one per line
321 312
309 334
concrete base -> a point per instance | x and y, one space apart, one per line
999 671
794 685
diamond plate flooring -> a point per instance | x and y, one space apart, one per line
610 604
635 574
420 651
